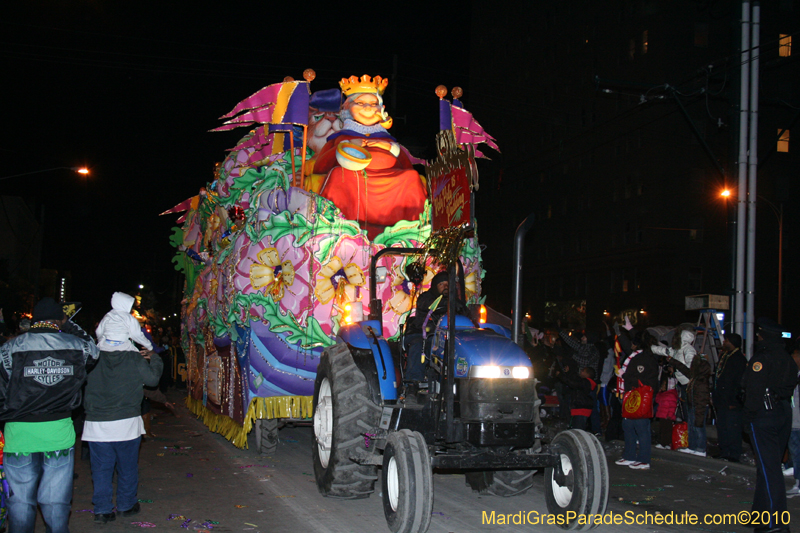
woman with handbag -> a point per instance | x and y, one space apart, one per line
641 380
666 407
699 397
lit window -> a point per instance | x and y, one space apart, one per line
701 35
644 42
785 49
783 140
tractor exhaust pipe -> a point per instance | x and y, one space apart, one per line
519 248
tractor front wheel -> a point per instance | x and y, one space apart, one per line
578 483
407 483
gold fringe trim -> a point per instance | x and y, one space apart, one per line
274 407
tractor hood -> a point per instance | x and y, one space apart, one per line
486 347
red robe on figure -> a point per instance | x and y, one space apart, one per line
392 190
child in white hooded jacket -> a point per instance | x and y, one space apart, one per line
119 327
685 354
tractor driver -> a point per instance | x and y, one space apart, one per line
425 320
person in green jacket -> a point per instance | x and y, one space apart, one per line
114 426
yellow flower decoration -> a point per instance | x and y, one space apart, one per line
268 271
401 301
472 284
337 281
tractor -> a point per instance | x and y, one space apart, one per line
479 414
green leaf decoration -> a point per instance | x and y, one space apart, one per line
220 327
277 226
316 336
403 233
176 239
281 323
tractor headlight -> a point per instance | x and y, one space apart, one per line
494 371
484 371
521 372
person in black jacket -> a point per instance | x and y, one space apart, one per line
41 376
768 382
582 386
729 372
640 369
431 305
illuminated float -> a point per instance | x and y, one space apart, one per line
276 248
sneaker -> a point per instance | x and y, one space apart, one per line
788 472
132 511
795 489
686 450
697 453
660 447
623 462
640 466
104 518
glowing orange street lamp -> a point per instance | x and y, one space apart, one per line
79 170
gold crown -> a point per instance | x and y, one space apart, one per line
365 84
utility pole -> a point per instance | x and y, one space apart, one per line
741 197
752 176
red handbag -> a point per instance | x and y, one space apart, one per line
680 435
638 402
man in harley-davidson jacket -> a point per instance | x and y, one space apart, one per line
41 374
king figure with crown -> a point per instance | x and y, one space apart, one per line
362 169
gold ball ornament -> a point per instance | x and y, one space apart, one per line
441 91
288 79
457 92
309 75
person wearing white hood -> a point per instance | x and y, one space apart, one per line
119 327
685 354
113 402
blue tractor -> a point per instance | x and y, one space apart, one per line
479 414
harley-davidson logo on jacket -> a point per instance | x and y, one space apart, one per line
48 371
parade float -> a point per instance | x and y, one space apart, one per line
276 248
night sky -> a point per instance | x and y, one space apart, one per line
131 91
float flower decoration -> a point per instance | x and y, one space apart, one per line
277 269
340 277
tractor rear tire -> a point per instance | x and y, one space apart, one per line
343 412
579 482
504 483
267 435
407 483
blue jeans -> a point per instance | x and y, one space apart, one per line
105 456
47 480
697 435
415 368
595 418
636 430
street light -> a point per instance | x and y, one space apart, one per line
79 170
778 212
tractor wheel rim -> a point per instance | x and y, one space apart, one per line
323 422
563 493
392 484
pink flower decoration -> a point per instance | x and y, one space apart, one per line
342 278
278 270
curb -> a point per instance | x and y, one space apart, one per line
706 463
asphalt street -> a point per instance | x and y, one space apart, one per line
193 479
